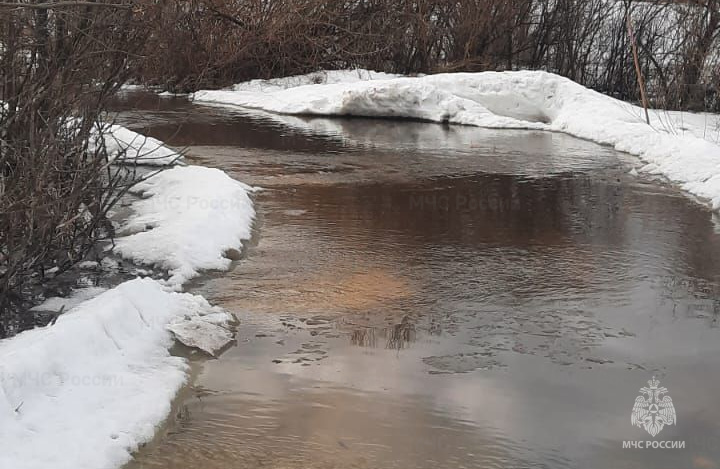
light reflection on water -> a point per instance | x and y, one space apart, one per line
423 296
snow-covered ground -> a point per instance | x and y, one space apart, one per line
700 124
76 297
85 392
89 390
680 146
188 220
128 147
327 77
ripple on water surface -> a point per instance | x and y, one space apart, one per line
419 296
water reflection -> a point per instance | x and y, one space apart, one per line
364 337
368 149
396 337
423 296
703 303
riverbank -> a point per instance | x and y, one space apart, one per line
88 390
682 147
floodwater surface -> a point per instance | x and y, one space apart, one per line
424 296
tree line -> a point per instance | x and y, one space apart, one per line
210 43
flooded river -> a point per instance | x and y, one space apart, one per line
424 296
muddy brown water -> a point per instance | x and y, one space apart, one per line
421 296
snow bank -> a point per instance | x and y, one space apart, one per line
323 77
86 392
403 97
188 220
671 146
130 147
701 124
76 297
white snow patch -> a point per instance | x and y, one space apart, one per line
76 297
169 94
89 265
322 77
86 392
700 124
681 147
189 218
132 87
109 264
129 147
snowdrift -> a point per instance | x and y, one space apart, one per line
187 221
128 147
86 392
89 390
683 150
325 77
125 146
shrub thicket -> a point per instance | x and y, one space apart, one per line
59 63
207 43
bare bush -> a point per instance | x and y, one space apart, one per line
210 43
59 63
